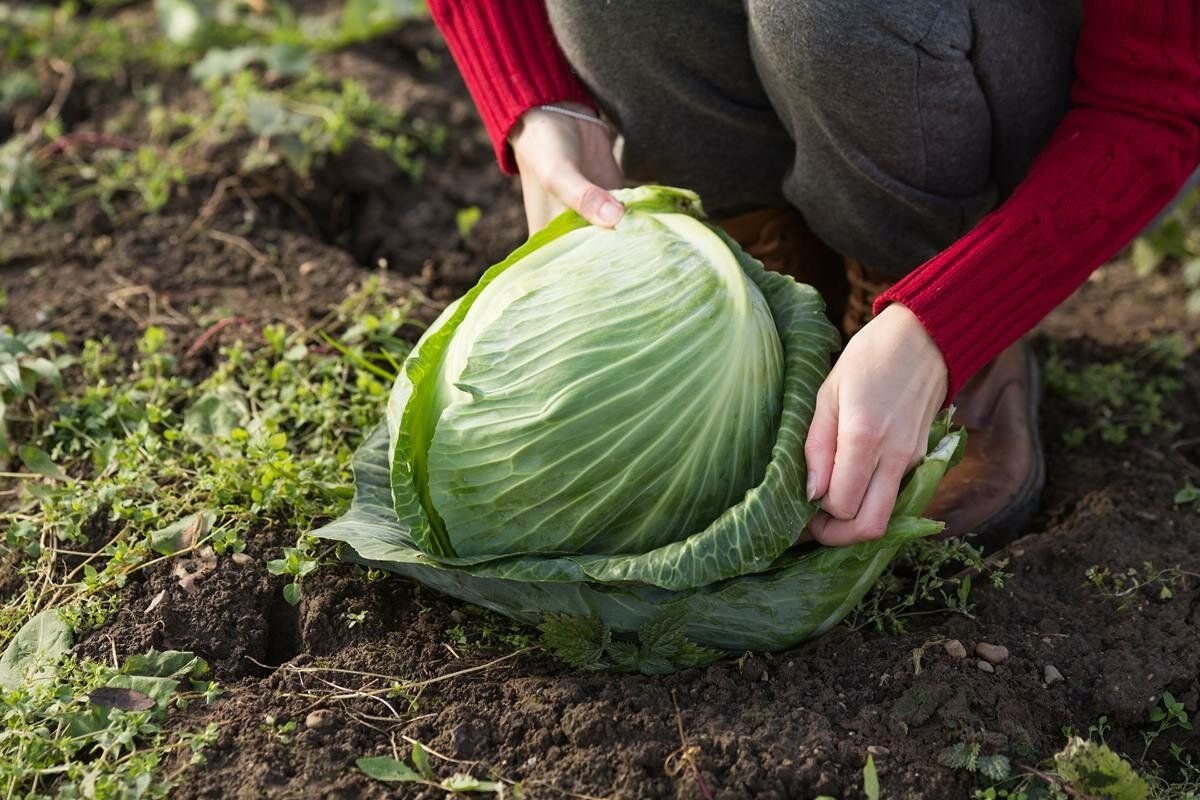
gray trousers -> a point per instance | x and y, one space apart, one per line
892 126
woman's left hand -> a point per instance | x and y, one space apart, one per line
871 424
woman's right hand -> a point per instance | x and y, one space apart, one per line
565 163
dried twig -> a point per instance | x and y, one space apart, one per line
686 754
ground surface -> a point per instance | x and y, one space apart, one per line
794 724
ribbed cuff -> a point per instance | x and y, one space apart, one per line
509 60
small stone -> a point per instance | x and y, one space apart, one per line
985 666
241 559
878 750
1051 675
993 653
320 719
457 617
955 649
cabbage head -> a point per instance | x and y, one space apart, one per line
606 436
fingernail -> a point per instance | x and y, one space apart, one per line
610 212
812 488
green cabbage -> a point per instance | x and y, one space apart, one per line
606 435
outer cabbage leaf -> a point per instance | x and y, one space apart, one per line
801 595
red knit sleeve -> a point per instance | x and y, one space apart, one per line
1119 156
509 59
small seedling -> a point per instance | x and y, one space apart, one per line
1169 714
391 769
1188 496
1126 587
355 618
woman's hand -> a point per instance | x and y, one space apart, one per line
565 163
871 424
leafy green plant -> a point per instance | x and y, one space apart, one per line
83 729
1127 586
1122 397
628 462
1169 714
1189 495
391 769
1176 239
928 576
964 756
28 360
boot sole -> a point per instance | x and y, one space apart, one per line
1010 522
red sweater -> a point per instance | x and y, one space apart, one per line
1129 142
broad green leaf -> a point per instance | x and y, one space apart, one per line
35 650
10 375
870 779
122 698
385 768
462 782
165 664
291 593
44 369
265 116
1093 770
159 689
183 533
466 219
421 761
39 461
184 21
217 412
1145 257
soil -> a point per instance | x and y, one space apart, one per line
793 724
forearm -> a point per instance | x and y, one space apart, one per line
506 52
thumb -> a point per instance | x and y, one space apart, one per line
597 206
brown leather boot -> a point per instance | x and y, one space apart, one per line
781 239
865 285
994 491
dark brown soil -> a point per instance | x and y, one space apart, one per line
794 724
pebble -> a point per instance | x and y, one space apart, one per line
241 559
955 649
985 666
320 719
993 653
878 750
1051 675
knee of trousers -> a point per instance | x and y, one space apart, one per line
836 49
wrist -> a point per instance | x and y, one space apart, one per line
919 345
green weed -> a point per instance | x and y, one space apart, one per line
264 98
1176 240
1118 398
1127 586
92 730
929 576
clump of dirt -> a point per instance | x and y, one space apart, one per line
793 724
